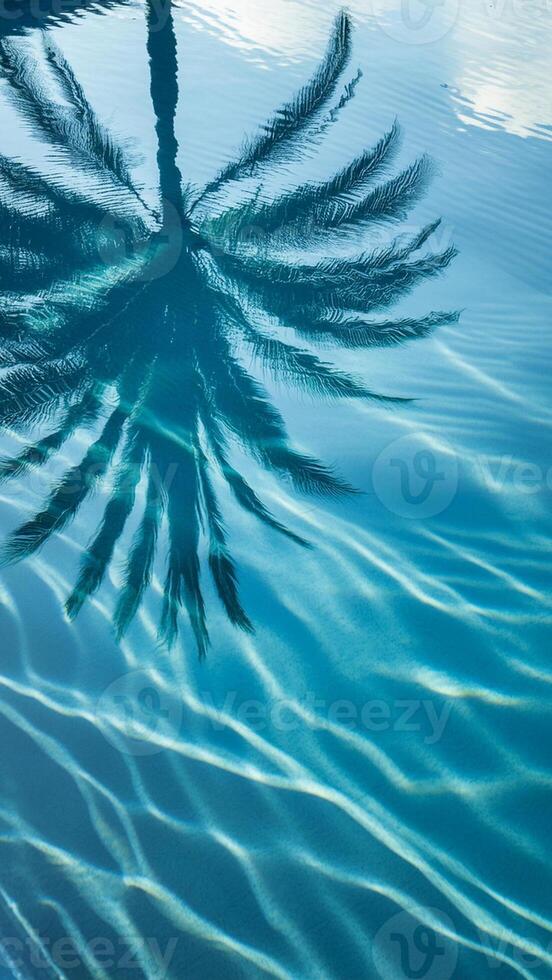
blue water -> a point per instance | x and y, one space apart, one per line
231 755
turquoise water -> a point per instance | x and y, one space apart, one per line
279 728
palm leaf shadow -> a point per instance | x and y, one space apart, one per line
134 330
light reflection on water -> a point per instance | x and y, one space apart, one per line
280 838
499 52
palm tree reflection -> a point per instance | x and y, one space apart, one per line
131 322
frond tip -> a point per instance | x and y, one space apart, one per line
279 133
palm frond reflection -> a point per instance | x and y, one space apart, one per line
134 328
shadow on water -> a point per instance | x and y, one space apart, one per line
18 16
133 328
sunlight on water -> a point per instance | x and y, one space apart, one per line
275 504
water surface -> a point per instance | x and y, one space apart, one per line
368 755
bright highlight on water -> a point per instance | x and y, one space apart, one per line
275 472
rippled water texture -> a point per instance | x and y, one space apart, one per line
252 722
